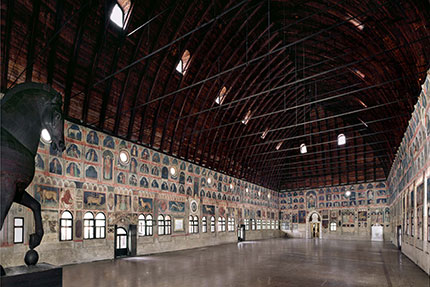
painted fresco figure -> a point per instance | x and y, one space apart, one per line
107 165
55 167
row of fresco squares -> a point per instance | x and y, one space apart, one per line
212 195
73 170
76 198
104 171
344 217
361 194
74 150
414 150
55 198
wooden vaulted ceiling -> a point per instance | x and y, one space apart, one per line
307 70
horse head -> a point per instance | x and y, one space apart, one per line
53 121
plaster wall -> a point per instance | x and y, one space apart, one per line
89 178
409 181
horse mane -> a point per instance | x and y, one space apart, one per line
55 96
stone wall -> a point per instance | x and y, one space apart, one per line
352 216
409 181
89 177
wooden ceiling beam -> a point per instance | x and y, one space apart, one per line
32 29
6 46
52 51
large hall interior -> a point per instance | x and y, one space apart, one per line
215 143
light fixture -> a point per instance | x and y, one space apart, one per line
209 180
46 137
246 190
348 193
124 157
117 16
341 139
259 193
231 186
266 131
268 195
303 148
278 146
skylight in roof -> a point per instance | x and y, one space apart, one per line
247 117
184 62
266 131
117 16
221 96
120 13
361 103
354 21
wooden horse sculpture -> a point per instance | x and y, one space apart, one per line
26 109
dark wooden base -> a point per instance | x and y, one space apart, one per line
33 276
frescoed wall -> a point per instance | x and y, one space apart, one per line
353 215
89 177
409 181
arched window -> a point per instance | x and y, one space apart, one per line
161 225
333 226
66 226
231 224
258 224
121 238
221 224
190 224
303 148
149 224
168 225
253 225
341 139
212 224
121 13
88 225
141 227
100 225
204 225
184 62
246 221
18 230
193 224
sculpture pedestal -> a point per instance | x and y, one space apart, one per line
42 274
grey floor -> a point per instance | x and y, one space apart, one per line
276 262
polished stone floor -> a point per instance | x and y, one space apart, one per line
276 262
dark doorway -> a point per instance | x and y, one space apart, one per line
121 242
241 233
399 237
132 235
